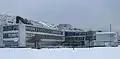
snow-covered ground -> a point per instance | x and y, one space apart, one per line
81 53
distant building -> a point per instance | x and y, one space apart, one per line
106 39
79 39
68 27
64 26
118 38
76 38
90 39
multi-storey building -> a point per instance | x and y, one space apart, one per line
16 32
76 38
118 37
79 39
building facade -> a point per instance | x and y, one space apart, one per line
79 39
17 32
106 39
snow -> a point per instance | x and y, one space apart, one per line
106 33
61 53
8 18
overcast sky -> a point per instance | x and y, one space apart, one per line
94 14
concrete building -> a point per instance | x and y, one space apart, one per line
118 37
64 27
76 38
16 32
106 39
79 39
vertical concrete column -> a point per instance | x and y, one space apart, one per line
63 35
116 40
22 36
1 36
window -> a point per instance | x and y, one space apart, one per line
65 25
10 35
10 43
36 29
9 28
66 34
30 35
10 22
33 29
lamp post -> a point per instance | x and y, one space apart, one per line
110 35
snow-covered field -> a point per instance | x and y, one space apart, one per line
82 53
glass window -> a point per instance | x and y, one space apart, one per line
36 29
10 35
9 28
10 43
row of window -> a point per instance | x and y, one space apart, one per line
44 44
81 38
10 35
74 38
10 43
46 37
36 29
70 43
11 27
74 44
90 37
50 43
50 37
77 33
30 35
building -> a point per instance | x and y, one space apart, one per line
118 37
64 27
90 39
106 39
77 38
16 31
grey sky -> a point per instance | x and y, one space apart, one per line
94 14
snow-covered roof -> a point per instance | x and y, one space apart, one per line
105 32
44 24
5 19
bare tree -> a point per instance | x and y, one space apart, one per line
36 41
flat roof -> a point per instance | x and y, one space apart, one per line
105 32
